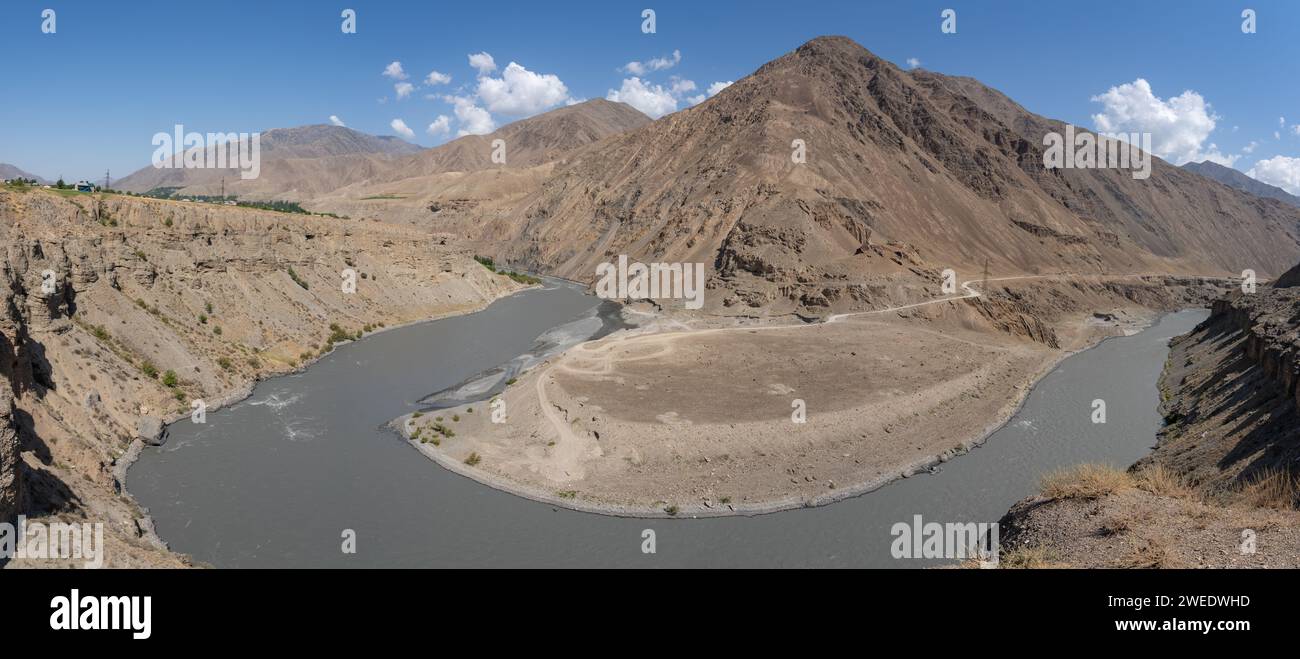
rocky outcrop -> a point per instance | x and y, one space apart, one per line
10 485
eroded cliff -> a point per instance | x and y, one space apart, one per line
120 313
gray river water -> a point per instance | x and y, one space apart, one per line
275 480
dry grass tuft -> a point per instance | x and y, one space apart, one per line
1155 554
1274 488
1030 558
1160 481
1085 481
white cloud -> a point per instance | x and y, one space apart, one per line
652 100
1213 154
1281 121
1282 171
440 126
1296 129
679 86
403 89
1178 127
656 64
711 92
520 92
473 120
1250 148
395 71
334 119
400 127
436 78
483 62
1277 135
912 62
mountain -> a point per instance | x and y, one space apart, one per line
316 162
452 186
296 163
529 142
905 172
1235 179
8 171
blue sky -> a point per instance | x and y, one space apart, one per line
91 96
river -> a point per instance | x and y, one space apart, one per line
275 480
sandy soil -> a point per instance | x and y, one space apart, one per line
669 420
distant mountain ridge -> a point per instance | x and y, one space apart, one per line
308 162
295 162
1235 179
8 171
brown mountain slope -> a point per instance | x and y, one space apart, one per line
933 171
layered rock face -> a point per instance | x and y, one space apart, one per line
10 486
119 312
1231 393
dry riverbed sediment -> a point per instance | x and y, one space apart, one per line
673 420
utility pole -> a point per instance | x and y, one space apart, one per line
106 179
223 188
984 285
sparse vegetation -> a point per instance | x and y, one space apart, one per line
1086 481
1158 480
169 378
149 369
671 510
1029 558
224 363
487 262
296 279
1271 488
473 459
520 277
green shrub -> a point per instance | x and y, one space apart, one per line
149 369
223 363
296 279
169 379
473 459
